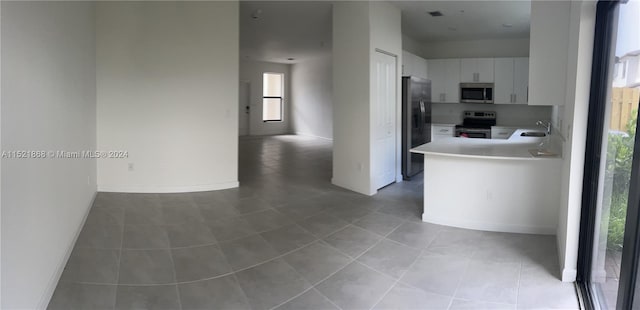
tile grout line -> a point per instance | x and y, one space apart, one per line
519 282
312 285
175 275
355 259
398 280
115 296
252 234
246 298
325 297
271 259
420 255
352 260
464 273
406 270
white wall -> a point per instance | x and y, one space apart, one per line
311 102
573 126
386 35
359 29
167 78
351 61
548 56
475 48
506 114
413 65
252 71
48 103
412 46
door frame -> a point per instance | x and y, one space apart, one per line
603 55
248 82
398 121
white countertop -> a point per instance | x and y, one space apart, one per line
516 147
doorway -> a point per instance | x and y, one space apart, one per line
244 108
384 120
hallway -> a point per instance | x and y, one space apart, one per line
288 239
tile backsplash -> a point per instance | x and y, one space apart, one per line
506 114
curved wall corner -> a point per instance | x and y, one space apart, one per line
167 94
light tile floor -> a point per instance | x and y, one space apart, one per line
288 239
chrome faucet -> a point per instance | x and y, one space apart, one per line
546 125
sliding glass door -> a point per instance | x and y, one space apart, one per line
609 229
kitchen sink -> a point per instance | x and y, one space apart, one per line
533 134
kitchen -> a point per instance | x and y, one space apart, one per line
557 37
480 134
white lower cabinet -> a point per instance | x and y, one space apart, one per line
498 132
442 131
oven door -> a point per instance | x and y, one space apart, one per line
473 133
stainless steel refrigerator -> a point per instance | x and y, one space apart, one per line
416 122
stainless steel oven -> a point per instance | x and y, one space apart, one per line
480 133
476 124
476 92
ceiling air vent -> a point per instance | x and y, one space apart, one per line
435 13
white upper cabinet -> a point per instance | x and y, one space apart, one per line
437 75
452 83
445 80
503 85
511 80
478 70
413 65
548 52
521 80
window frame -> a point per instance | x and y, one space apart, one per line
281 97
603 55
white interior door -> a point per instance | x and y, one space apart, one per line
244 108
384 120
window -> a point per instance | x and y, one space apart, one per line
608 260
272 89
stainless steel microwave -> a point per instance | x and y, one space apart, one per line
476 92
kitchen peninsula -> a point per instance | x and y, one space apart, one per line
509 185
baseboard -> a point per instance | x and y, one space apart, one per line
569 275
399 178
351 188
542 230
53 282
168 189
311 135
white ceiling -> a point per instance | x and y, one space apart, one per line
285 29
302 29
464 20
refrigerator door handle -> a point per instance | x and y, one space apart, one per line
422 115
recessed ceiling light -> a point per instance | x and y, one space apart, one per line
507 25
435 13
